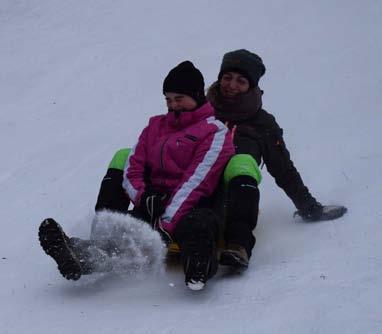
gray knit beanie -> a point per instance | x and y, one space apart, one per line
242 61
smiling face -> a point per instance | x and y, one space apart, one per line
180 102
233 84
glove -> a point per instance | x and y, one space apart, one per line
153 204
319 212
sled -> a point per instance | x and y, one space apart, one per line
173 248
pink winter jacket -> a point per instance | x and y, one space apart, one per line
185 157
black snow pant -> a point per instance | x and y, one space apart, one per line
241 211
237 206
198 231
111 195
93 255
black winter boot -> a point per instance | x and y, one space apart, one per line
200 263
56 244
234 256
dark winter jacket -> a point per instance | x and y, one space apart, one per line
258 134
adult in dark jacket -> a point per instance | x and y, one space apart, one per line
258 138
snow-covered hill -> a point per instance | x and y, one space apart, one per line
79 79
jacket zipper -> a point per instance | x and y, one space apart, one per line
161 153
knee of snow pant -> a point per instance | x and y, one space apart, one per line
242 208
119 159
201 221
242 164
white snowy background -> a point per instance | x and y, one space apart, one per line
79 80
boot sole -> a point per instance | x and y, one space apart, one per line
231 259
195 285
196 278
54 242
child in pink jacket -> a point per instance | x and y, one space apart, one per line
175 167
170 176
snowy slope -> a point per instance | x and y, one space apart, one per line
79 79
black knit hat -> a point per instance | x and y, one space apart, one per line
185 79
248 64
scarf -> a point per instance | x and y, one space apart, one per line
239 108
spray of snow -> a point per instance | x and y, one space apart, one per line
126 245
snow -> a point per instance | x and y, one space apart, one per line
79 80
142 249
